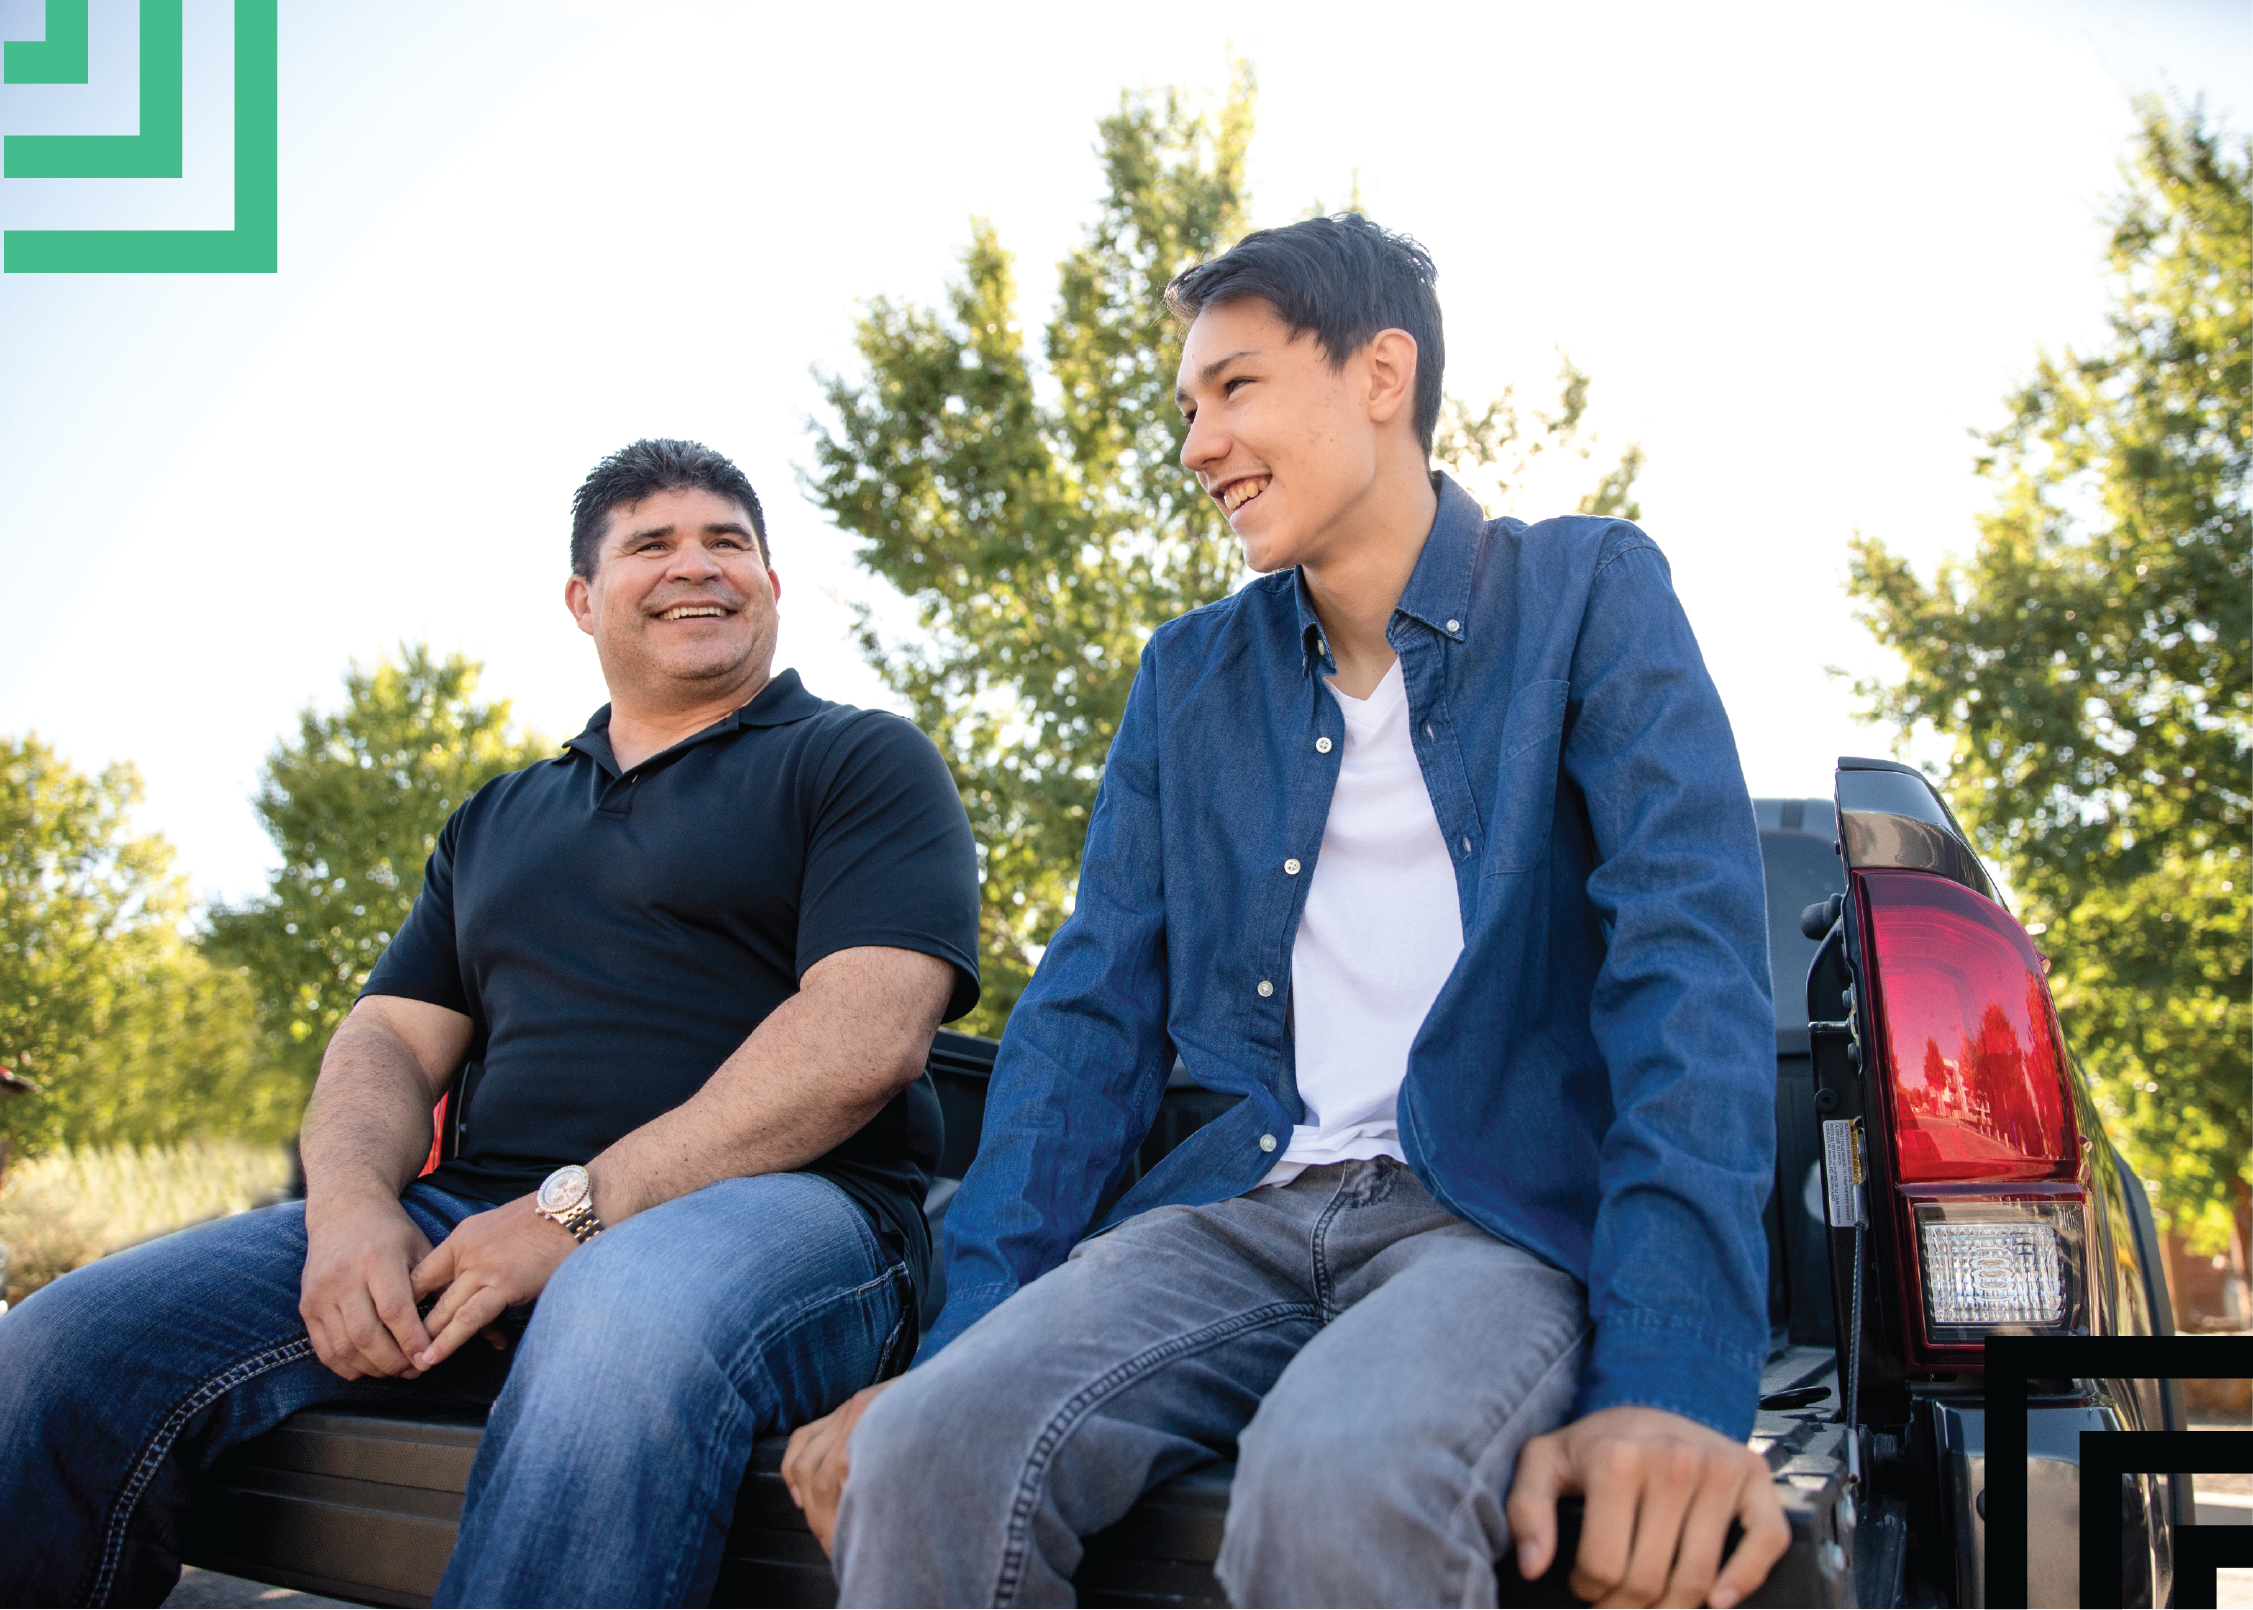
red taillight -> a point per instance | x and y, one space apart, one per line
1967 1036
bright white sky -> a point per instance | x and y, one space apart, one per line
1803 250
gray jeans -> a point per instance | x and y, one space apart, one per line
1373 1363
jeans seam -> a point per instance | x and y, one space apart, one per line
1470 1492
1016 1538
1324 1286
759 1339
160 1442
894 1358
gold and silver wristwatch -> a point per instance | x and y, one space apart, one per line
567 1196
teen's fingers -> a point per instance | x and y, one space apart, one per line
1543 1472
1705 1529
1767 1536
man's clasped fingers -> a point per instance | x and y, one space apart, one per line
357 1299
491 1262
351 1337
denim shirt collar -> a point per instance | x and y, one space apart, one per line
1438 593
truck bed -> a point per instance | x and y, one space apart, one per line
362 1504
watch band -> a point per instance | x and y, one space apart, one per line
581 1221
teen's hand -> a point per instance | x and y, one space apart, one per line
492 1261
355 1295
1661 1492
815 1467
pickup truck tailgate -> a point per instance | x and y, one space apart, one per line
360 1503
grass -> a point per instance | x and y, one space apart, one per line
67 1208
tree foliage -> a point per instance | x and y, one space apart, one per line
1494 451
354 804
1035 511
2088 665
104 1000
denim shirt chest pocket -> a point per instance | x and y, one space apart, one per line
1525 787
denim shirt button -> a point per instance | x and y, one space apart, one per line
1291 868
1321 746
1267 1143
1466 844
1454 626
1266 989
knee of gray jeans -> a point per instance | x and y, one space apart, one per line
1321 1513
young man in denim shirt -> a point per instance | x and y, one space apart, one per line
1432 845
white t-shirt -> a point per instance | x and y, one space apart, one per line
1380 934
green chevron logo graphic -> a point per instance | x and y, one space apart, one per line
152 153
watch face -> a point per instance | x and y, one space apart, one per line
563 1190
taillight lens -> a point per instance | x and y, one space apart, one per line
1967 1035
1992 1264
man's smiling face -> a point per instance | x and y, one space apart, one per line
1276 438
681 598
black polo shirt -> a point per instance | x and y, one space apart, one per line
614 936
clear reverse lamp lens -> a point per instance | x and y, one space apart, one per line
1992 1271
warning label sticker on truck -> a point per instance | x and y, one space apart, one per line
1842 1171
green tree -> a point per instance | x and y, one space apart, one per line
1495 449
2088 666
1035 511
354 804
104 1000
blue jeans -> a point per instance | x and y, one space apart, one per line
621 1424
1372 1362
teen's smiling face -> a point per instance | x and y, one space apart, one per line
681 596
1282 442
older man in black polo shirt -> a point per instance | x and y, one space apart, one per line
694 963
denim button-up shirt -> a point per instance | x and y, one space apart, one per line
1595 1081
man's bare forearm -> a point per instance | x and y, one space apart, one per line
819 1068
367 1128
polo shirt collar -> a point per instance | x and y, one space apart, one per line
1439 588
783 700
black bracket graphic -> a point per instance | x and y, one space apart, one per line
2106 1456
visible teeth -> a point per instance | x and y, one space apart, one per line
685 611
1242 493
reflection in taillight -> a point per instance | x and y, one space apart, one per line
1967 1035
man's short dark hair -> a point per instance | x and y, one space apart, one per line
1344 279
651 465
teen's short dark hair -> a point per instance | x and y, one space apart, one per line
654 464
1344 279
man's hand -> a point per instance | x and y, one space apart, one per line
491 1262
356 1294
815 1467
1661 1492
